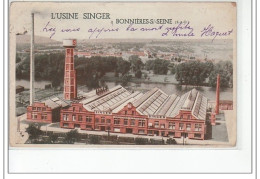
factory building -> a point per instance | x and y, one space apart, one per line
153 113
121 111
47 111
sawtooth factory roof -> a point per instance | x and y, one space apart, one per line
152 103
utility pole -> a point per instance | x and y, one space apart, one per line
217 95
32 63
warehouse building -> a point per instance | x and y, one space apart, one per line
47 111
153 113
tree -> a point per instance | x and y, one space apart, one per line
34 131
138 74
18 59
123 66
192 72
171 141
158 66
136 63
225 70
94 139
125 79
53 137
71 136
141 141
173 70
145 75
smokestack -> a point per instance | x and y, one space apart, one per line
217 95
70 84
32 95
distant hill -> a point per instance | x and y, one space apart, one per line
26 39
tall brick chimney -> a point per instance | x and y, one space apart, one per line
70 84
217 95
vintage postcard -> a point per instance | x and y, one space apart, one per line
121 74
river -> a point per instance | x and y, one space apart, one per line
210 93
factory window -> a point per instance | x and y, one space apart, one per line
125 112
102 120
34 108
181 117
44 116
181 126
188 126
132 122
80 118
73 109
65 125
88 126
97 120
43 109
126 122
197 135
162 125
34 116
140 131
116 129
141 123
150 132
156 124
68 52
88 119
133 113
197 127
73 118
116 121
171 125
188 117
65 117
80 109
171 134
108 120
38 109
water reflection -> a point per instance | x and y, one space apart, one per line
225 93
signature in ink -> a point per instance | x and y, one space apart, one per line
209 32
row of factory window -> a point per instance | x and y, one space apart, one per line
39 109
140 131
141 123
126 112
35 116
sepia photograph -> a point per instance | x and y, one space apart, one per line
83 74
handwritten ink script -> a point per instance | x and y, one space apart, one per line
209 31
181 29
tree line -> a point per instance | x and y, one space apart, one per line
91 71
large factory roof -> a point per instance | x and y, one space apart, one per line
153 103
